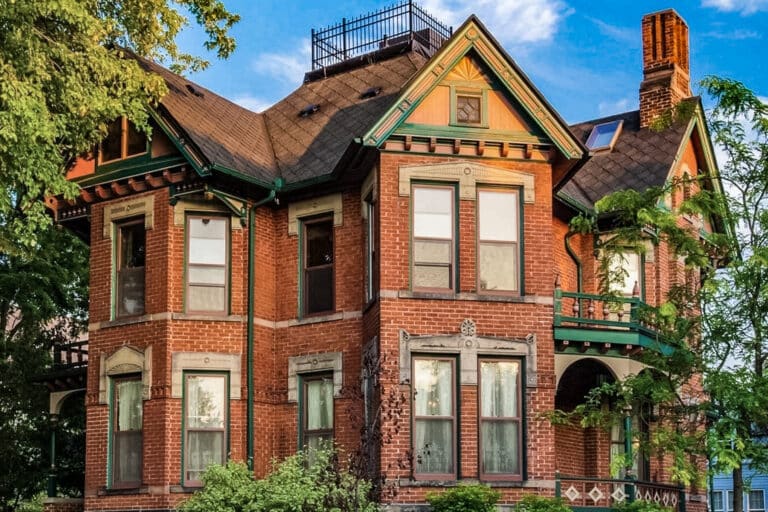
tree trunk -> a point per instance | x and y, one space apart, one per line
738 490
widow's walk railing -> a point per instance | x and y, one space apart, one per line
368 33
605 493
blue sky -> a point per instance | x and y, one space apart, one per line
584 55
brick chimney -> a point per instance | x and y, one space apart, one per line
666 78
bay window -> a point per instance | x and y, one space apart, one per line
434 438
126 442
432 246
129 273
205 423
207 269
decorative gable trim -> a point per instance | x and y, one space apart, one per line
473 36
468 176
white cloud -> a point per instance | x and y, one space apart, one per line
623 35
513 22
736 35
252 103
745 7
609 108
288 67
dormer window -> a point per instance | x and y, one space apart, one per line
604 135
123 141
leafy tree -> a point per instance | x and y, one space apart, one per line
43 300
64 77
736 298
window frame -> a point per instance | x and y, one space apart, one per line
454 386
453 264
628 252
518 192
117 276
124 124
520 421
370 261
304 270
304 432
749 500
722 501
185 430
113 433
227 263
481 94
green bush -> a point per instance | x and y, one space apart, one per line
533 503
642 506
297 484
465 498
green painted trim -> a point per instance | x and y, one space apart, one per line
131 171
569 250
457 401
573 203
196 162
468 131
523 419
110 424
244 177
637 337
227 427
300 280
113 273
521 237
300 412
437 71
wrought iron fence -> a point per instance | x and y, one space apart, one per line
371 32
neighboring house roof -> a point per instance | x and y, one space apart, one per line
640 158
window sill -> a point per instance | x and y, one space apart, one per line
130 320
454 483
207 318
481 297
180 489
123 492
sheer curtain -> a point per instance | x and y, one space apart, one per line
500 423
433 436
128 432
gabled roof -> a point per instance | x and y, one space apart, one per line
640 158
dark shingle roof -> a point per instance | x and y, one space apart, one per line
311 146
226 133
641 158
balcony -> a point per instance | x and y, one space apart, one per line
609 325
69 366
584 494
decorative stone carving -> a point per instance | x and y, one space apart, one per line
131 208
215 361
468 327
328 361
124 361
314 206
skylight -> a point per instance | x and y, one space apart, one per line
604 135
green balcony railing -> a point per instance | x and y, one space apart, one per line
584 321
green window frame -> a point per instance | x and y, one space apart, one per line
501 410
318 272
433 237
129 268
469 107
435 434
499 240
126 431
123 141
207 252
316 425
205 418
371 256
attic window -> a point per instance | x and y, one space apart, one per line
309 110
604 135
371 92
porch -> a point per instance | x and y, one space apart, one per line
584 494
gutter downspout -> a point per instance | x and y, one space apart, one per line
575 259
277 185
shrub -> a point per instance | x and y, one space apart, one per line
297 484
465 498
642 506
533 503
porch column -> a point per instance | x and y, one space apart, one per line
52 472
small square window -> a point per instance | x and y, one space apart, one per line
468 109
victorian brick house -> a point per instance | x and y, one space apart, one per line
408 205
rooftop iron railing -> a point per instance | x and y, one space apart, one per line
377 30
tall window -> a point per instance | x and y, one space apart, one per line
123 141
370 249
318 266
126 432
317 410
131 251
207 257
433 237
624 272
498 246
717 501
756 500
434 414
500 420
205 423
